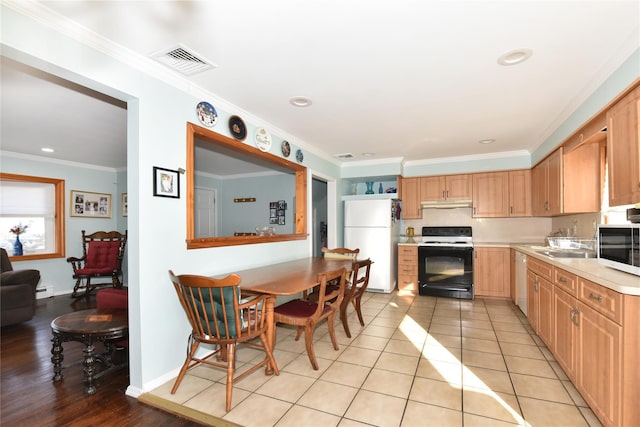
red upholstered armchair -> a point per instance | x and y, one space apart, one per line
114 299
102 255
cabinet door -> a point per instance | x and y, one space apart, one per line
599 364
582 179
532 299
432 188
491 194
520 193
411 198
491 272
539 190
564 332
623 150
458 187
554 183
545 312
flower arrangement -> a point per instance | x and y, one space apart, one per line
19 229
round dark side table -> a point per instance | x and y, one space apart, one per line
89 327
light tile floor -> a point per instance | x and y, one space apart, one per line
417 361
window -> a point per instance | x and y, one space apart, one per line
38 203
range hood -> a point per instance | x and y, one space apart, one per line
446 204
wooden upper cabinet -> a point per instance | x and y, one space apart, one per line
582 177
458 187
623 150
520 193
555 183
447 187
410 193
547 185
432 188
491 194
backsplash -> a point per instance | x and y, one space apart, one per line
579 225
498 230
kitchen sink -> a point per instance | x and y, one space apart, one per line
555 253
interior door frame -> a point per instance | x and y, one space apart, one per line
332 209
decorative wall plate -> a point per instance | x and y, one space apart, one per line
207 114
299 156
286 148
237 128
263 139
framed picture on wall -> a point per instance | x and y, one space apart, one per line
125 206
90 205
166 183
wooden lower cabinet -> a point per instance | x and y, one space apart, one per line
592 332
408 268
545 312
539 303
492 272
599 373
564 332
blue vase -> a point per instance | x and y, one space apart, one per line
17 246
369 187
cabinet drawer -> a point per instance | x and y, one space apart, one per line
407 251
565 280
407 270
601 299
540 268
408 282
408 260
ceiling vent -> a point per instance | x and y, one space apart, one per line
183 60
344 156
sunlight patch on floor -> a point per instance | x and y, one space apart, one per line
410 328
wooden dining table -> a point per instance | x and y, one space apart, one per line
286 278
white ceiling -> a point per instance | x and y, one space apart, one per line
411 79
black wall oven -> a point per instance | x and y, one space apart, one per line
445 262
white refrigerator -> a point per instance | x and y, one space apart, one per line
373 227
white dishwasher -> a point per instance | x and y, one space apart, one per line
521 281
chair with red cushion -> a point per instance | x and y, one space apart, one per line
102 255
113 299
306 313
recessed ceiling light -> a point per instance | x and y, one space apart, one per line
487 141
515 57
300 101
367 154
47 150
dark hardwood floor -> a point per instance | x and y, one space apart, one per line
30 398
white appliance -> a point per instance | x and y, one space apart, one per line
373 227
521 281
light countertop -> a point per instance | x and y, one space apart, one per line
590 269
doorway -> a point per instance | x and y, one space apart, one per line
319 215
